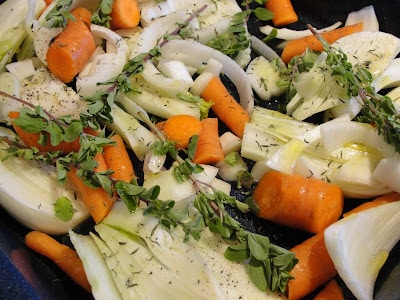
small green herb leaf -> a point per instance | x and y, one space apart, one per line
63 209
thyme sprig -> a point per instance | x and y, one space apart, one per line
376 109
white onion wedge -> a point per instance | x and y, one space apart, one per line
265 51
103 67
342 134
195 54
388 172
390 77
150 36
164 85
291 34
230 142
355 177
367 16
360 244
229 172
153 163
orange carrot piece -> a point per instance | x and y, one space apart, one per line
32 139
71 49
293 200
125 14
180 128
82 14
227 109
299 46
284 13
331 291
313 269
117 159
208 149
97 201
63 256
387 198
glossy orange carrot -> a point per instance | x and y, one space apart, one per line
390 197
97 201
313 269
125 14
299 46
331 291
284 13
117 159
31 139
226 108
180 128
81 14
293 200
63 256
208 149
72 48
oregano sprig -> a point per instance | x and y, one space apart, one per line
267 265
102 100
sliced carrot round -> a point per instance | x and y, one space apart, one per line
180 128
125 14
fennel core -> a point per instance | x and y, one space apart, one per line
376 109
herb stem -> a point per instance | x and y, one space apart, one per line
51 117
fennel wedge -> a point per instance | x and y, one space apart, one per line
360 244
138 257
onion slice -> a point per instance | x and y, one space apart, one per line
264 50
102 67
367 16
291 34
195 54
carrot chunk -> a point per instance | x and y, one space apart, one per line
284 13
314 268
125 14
208 149
299 46
227 109
117 159
387 198
97 201
331 291
305 203
31 139
72 48
63 256
180 128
